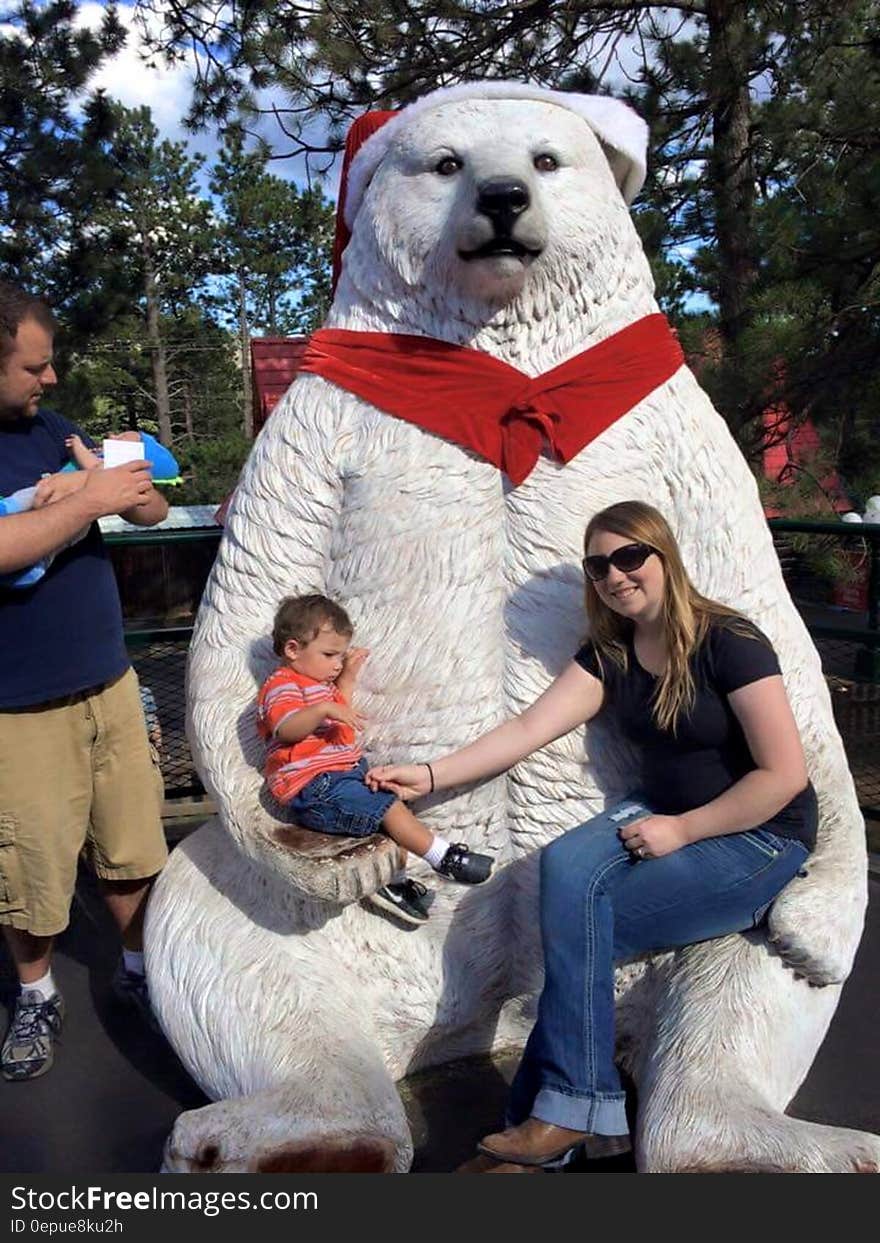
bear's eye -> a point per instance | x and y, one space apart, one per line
448 166
545 163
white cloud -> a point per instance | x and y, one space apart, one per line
165 89
136 80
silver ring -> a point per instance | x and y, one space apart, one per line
640 851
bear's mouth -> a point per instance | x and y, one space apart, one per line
508 247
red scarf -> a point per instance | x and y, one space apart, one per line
488 406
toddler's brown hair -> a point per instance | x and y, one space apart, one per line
302 617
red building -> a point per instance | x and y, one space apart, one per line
274 363
790 446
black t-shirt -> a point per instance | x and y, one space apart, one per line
708 752
63 634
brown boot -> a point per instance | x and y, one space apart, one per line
485 1165
534 1142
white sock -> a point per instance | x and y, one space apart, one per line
45 986
398 878
436 853
133 961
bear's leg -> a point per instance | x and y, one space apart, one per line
300 1086
261 1002
342 1114
735 1036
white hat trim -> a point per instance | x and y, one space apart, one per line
613 122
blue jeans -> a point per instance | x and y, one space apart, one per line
341 802
600 905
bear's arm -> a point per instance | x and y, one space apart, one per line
277 542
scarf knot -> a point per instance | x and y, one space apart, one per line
539 418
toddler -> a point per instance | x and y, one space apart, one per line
314 763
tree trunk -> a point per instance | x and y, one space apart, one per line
188 411
244 337
730 170
157 351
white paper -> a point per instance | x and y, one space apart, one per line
118 451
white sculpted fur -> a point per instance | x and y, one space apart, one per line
296 1013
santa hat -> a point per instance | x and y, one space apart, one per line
361 129
615 124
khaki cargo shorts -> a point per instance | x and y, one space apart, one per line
75 774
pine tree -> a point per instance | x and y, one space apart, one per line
51 133
275 243
153 235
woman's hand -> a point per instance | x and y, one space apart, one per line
655 836
407 781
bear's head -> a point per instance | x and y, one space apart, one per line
467 207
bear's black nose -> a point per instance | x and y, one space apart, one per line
502 199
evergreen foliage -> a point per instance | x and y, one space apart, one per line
273 237
51 170
120 232
272 245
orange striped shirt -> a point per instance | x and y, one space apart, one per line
331 748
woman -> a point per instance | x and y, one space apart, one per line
722 816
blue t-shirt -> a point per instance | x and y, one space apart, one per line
63 634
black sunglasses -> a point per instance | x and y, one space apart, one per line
626 558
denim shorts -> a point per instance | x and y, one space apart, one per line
340 802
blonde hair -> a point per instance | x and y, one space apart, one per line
687 615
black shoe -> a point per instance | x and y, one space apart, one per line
463 865
404 899
29 1047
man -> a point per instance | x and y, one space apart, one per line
75 768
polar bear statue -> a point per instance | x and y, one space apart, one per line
491 216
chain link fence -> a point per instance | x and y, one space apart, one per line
161 668
857 713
